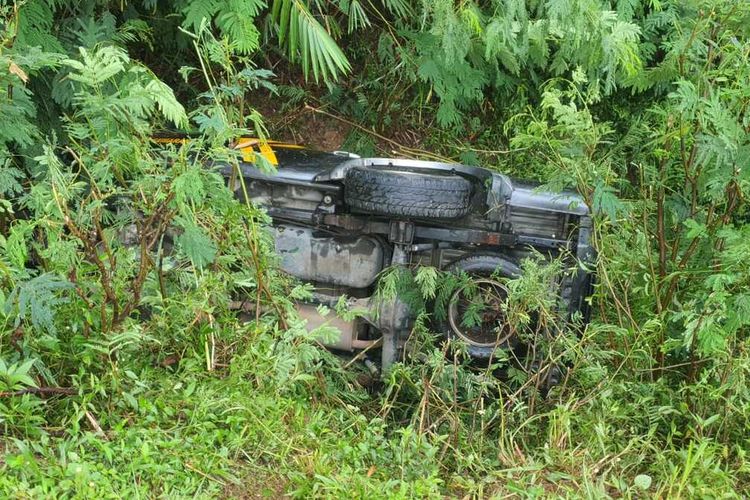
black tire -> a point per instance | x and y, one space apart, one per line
482 266
407 193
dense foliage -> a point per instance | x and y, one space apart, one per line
123 369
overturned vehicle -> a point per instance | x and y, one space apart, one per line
341 220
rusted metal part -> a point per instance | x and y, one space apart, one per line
347 222
348 339
494 328
394 316
471 236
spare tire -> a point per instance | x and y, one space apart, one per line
407 192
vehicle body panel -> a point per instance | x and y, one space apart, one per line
341 250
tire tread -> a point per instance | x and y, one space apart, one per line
390 192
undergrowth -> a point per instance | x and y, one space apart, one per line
127 370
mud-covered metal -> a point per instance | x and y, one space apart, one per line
350 261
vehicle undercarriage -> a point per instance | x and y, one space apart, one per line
340 221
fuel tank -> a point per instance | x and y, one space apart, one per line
351 261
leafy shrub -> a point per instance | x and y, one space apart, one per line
124 372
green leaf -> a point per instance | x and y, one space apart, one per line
357 16
197 245
308 42
427 279
642 482
188 187
606 202
37 299
168 104
196 11
15 245
695 229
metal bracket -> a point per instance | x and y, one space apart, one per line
401 232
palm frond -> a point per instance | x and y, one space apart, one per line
357 16
308 42
399 8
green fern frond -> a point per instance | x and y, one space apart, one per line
196 244
167 103
188 187
236 21
195 11
127 92
35 23
9 178
97 66
36 300
234 18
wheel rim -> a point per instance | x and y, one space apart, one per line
479 319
